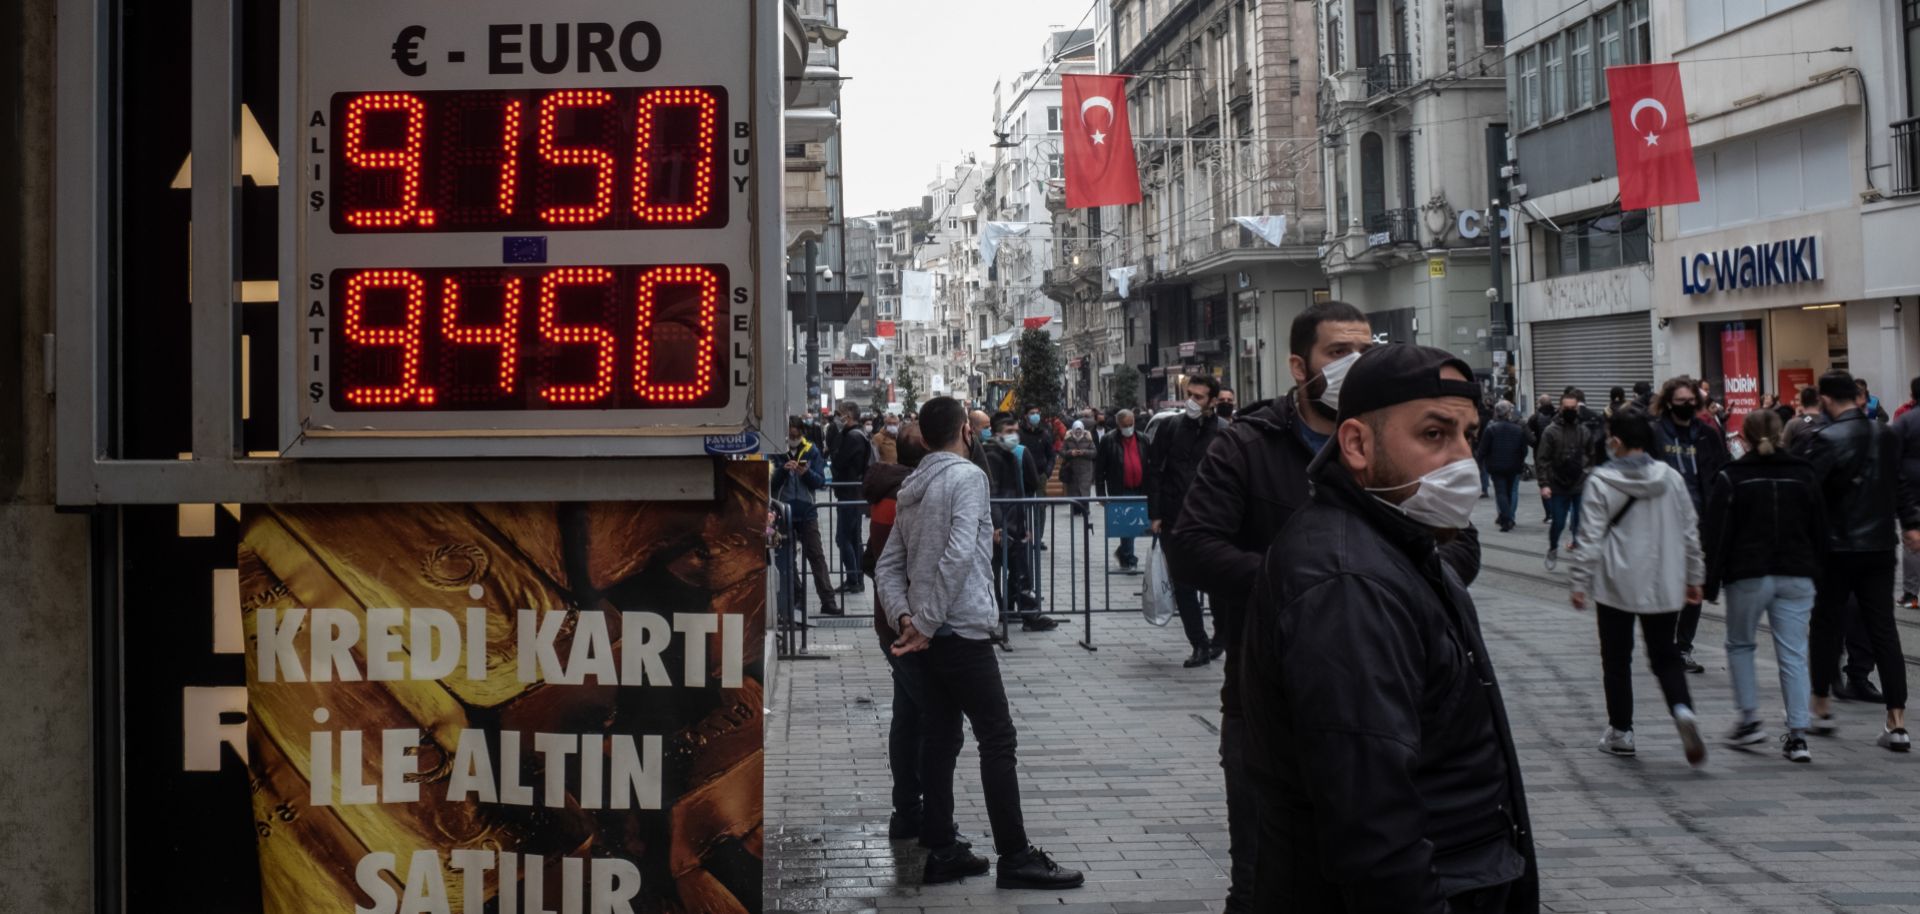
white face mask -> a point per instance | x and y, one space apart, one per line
1009 439
1736 448
1336 374
1127 432
1446 496
1193 408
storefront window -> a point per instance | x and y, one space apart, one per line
1599 243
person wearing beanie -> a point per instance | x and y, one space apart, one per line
1379 744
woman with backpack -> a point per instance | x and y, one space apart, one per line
1638 558
1764 530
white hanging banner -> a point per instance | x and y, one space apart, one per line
1122 278
1271 229
991 235
916 295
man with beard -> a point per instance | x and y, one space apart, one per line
1387 774
1252 480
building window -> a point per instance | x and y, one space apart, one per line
1554 49
1639 33
1053 165
1612 51
1580 63
1373 179
1335 63
1494 21
1341 208
1912 16
1053 120
1406 171
1530 87
1599 243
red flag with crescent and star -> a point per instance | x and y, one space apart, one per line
1101 170
1651 145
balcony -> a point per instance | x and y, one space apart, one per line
1393 226
1906 157
1389 74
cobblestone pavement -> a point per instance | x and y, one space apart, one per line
1120 776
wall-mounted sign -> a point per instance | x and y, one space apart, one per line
1473 222
1436 268
850 370
1751 266
473 189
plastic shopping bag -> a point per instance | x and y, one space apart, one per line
1157 599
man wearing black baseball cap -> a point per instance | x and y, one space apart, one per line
1387 772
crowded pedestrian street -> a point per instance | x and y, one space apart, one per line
1119 773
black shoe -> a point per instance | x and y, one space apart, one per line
852 588
1692 665
1843 691
1033 869
1863 690
903 826
832 611
952 864
1216 651
1038 624
1201 657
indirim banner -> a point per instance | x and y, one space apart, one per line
508 707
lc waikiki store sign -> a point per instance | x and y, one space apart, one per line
1752 266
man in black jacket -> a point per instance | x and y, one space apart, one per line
1251 481
1178 447
1503 453
1387 771
1695 448
1856 462
852 454
1121 468
1013 473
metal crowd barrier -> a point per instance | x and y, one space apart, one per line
1062 566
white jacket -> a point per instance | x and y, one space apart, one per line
1645 563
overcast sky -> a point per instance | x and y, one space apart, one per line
920 85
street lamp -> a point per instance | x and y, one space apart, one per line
816 273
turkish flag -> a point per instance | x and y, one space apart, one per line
1101 170
883 329
1651 146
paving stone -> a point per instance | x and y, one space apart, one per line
1119 753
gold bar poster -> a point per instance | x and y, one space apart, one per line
514 708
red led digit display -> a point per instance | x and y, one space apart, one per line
528 160
527 338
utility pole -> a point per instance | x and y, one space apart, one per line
1499 310
813 327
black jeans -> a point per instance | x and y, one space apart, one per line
1243 816
1868 578
1505 499
1689 624
905 736
963 679
1859 663
846 535
1616 660
1193 618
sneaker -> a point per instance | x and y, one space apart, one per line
1909 600
1690 741
1553 559
1823 725
1692 665
1895 739
1038 624
952 864
1033 869
1794 748
1617 742
1747 734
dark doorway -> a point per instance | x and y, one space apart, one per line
1373 179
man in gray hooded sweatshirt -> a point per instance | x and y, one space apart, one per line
935 583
